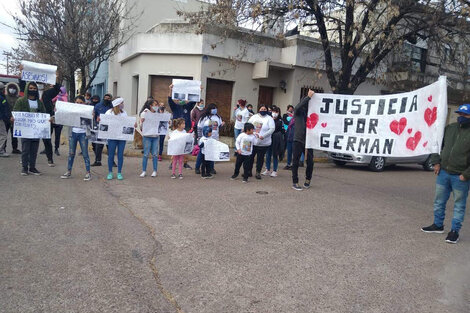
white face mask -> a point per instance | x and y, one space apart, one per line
275 115
155 108
12 91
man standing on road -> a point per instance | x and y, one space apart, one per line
12 94
298 146
5 115
453 169
100 108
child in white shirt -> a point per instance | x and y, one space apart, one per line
244 145
205 165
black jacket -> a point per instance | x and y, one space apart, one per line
300 115
47 97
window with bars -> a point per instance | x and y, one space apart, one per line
304 90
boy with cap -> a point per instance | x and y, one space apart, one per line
453 169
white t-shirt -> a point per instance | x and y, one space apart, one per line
245 143
264 126
241 117
203 139
214 121
33 104
177 132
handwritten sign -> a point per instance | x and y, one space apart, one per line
31 125
38 72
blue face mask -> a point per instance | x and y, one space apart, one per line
263 113
214 111
463 120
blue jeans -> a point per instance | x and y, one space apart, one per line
445 184
236 133
289 154
112 145
150 146
162 143
73 140
269 154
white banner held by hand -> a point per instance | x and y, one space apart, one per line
400 125
187 90
31 125
38 72
116 127
155 124
180 143
216 151
73 114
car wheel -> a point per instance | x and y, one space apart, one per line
339 163
377 164
427 165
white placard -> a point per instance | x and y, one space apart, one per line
116 127
94 137
180 143
31 125
155 124
187 90
38 72
73 114
216 151
400 125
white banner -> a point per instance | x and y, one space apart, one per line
73 114
400 125
180 143
38 72
31 125
216 151
155 124
116 127
187 90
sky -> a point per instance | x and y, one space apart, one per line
7 36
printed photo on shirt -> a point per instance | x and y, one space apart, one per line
246 146
258 126
214 125
239 117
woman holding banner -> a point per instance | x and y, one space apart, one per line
150 141
118 105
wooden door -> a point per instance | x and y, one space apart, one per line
265 96
159 88
220 92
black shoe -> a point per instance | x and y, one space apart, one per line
50 163
197 171
297 187
287 167
258 175
34 171
301 164
24 172
96 164
114 164
208 176
234 177
42 152
186 165
213 172
56 151
16 151
452 237
245 180
433 229
307 184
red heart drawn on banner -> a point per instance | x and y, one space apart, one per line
412 142
430 116
410 130
398 126
323 125
430 98
425 144
312 121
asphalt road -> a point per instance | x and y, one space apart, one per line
352 243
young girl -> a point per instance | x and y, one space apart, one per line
151 141
277 146
78 135
118 105
178 128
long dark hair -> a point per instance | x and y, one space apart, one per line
146 105
207 111
277 110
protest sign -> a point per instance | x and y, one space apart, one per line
38 72
187 90
155 124
399 125
180 143
94 137
31 125
216 151
116 127
73 114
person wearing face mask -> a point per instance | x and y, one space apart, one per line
61 96
250 109
161 144
100 108
242 115
196 114
150 141
276 149
30 102
12 94
452 167
5 116
113 144
264 128
47 98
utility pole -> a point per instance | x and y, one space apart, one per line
8 55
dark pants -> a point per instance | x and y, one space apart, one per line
98 150
14 141
297 149
162 143
57 130
205 166
259 152
48 149
29 153
247 165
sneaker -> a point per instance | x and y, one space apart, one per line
307 184
187 166
244 180
159 158
66 175
209 176
154 174
452 237
24 172
143 174
56 151
96 164
87 177
258 176
35 172
213 171
433 229
119 176
297 187
274 174
173 176
197 171
234 177
180 176
16 151
4 155
288 167
110 176
42 152
50 163
266 172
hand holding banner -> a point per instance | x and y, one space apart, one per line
155 124
73 114
187 90
180 143
116 127
31 125
38 72
216 151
